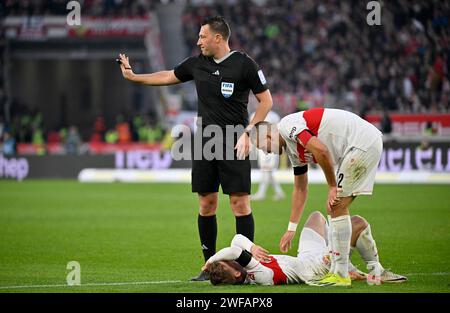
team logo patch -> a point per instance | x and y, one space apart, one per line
227 89
292 132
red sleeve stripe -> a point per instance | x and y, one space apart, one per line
313 118
304 137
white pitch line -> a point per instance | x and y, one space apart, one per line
165 282
95 284
429 274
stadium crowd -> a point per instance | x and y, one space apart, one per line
28 127
324 53
325 50
88 7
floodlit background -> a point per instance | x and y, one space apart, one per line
67 117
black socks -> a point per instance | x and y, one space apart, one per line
245 225
207 229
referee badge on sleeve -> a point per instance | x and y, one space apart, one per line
261 77
227 89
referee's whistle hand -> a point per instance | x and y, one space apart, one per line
242 147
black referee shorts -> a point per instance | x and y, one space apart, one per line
233 175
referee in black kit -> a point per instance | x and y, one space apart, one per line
223 79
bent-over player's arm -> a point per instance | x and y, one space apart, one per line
323 157
299 196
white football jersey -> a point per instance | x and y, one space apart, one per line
339 130
286 269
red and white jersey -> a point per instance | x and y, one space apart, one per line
282 270
339 130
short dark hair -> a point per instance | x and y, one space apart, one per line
219 25
218 274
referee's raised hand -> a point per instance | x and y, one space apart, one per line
125 66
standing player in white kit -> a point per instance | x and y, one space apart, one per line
268 164
348 149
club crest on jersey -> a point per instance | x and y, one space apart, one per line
227 89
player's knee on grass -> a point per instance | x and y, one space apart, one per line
208 204
316 221
359 223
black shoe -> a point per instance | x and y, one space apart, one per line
203 276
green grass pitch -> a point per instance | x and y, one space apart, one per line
143 237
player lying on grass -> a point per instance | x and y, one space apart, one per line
246 263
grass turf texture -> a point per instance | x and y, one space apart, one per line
148 232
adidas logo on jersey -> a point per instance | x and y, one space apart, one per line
216 73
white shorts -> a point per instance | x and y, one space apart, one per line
313 252
311 242
267 161
357 169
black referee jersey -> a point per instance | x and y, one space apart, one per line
223 87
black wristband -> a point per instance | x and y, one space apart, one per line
128 68
244 259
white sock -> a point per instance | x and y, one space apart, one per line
367 247
330 244
351 267
341 229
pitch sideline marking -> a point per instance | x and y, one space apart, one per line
163 282
95 284
429 274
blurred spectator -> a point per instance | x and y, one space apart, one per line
99 129
38 140
430 129
425 146
9 144
73 141
167 140
111 136
123 130
151 132
386 123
